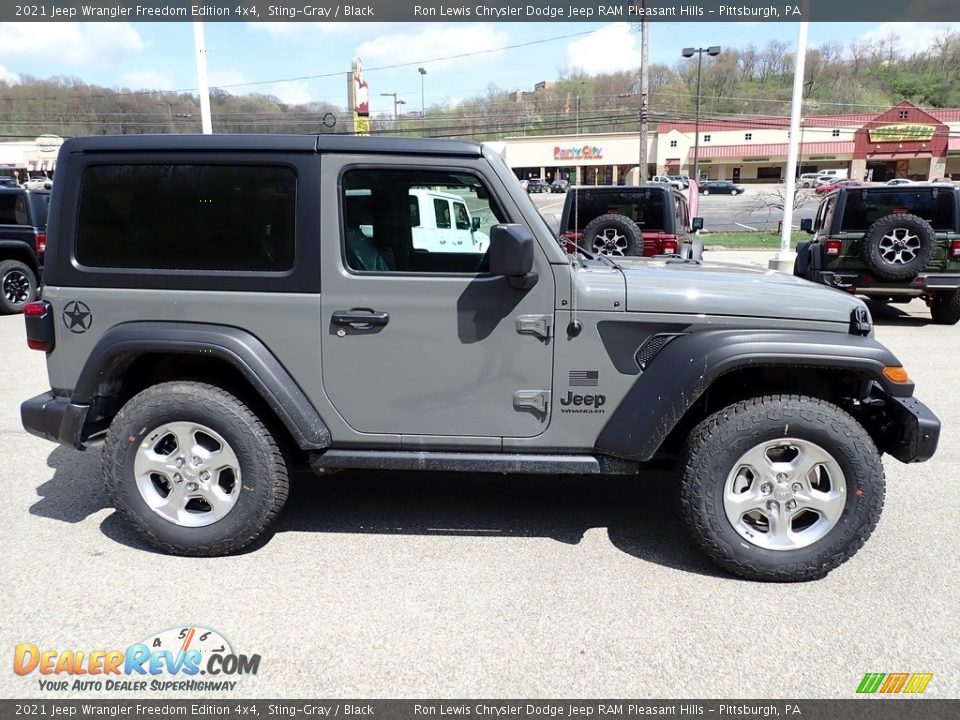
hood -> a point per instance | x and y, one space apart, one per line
655 285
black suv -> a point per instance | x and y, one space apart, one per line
537 185
23 239
647 220
892 243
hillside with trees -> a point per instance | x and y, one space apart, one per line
861 76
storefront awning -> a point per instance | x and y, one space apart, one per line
772 150
875 157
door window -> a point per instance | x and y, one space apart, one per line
384 228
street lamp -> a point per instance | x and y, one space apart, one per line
422 71
689 52
396 103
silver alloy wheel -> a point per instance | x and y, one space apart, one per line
784 494
187 474
16 287
899 246
610 241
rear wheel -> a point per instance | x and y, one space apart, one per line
945 308
705 192
733 192
781 488
193 469
18 286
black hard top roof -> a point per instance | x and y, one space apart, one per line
288 143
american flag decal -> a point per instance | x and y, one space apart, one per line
584 378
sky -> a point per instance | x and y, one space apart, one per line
303 62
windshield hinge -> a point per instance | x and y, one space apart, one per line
538 325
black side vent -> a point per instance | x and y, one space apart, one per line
651 347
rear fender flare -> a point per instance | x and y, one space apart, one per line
123 343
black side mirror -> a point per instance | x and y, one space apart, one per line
474 223
807 225
511 255
696 224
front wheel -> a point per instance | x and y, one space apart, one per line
733 192
193 469
705 192
781 488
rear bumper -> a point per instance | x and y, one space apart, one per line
920 285
55 419
920 430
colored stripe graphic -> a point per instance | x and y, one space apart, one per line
870 682
918 682
893 683
584 378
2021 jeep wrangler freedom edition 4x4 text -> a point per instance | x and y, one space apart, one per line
214 311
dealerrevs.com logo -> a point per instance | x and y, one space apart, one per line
186 659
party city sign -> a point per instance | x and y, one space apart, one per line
586 152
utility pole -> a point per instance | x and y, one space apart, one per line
642 176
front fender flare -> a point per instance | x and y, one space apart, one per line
123 343
687 366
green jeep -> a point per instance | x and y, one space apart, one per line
892 243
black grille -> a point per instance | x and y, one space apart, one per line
650 348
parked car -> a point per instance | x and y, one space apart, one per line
891 243
808 180
667 180
207 349
559 185
523 183
38 183
684 180
625 220
23 240
537 185
825 180
901 181
830 187
8 182
720 187
943 181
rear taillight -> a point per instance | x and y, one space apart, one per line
832 247
955 249
668 247
41 242
38 316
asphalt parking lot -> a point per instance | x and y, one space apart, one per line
388 585
755 209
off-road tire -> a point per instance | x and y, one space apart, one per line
623 227
871 254
14 271
718 442
945 308
263 471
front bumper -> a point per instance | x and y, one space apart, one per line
54 418
919 430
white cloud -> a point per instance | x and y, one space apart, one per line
435 40
8 77
913 36
98 44
292 92
146 80
608 49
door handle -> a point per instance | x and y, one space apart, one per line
361 317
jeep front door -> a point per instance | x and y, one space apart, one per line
424 341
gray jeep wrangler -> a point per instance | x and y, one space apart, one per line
218 309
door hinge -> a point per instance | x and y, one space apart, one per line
536 400
538 325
